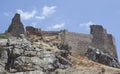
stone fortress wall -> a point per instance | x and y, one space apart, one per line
97 38
79 42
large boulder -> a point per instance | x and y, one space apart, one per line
16 27
101 57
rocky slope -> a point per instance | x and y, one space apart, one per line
21 56
18 55
82 65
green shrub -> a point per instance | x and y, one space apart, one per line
3 73
3 36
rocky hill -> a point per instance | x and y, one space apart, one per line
33 51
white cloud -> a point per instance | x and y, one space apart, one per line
27 15
56 26
46 11
86 25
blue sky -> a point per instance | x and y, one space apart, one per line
74 15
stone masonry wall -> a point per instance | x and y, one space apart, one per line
78 42
97 38
112 45
33 31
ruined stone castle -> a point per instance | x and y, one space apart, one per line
98 37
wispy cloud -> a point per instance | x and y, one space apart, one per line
27 15
40 17
86 25
46 11
56 26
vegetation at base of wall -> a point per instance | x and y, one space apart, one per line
3 36
5 73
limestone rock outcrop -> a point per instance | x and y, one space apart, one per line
16 27
18 55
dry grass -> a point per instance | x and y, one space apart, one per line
81 65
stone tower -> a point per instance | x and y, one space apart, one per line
102 40
99 37
16 27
